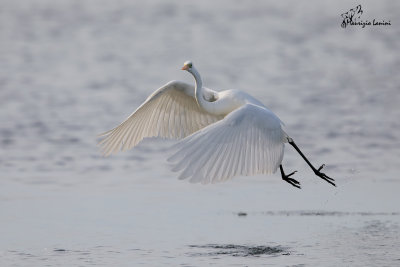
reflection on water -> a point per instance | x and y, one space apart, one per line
238 250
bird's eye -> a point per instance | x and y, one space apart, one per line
188 64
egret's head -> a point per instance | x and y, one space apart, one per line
187 65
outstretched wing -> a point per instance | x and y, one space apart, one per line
248 141
171 112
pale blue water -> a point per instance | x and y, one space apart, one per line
72 69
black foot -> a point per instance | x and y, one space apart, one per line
291 181
324 176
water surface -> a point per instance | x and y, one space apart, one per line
73 69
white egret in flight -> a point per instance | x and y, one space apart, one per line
223 134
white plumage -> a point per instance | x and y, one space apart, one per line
170 112
248 141
225 134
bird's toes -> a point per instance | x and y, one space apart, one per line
328 179
320 168
292 181
324 176
297 185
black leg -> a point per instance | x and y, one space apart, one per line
286 178
316 171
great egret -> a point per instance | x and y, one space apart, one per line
225 133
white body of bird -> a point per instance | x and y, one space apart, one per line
223 134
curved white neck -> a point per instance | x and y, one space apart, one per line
208 106
198 90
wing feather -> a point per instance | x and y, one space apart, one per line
224 168
170 112
247 141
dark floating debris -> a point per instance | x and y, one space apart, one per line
240 250
59 250
242 214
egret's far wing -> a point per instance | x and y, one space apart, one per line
171 112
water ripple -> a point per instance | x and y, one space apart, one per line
322 213
239 250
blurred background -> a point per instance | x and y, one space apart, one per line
70 70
